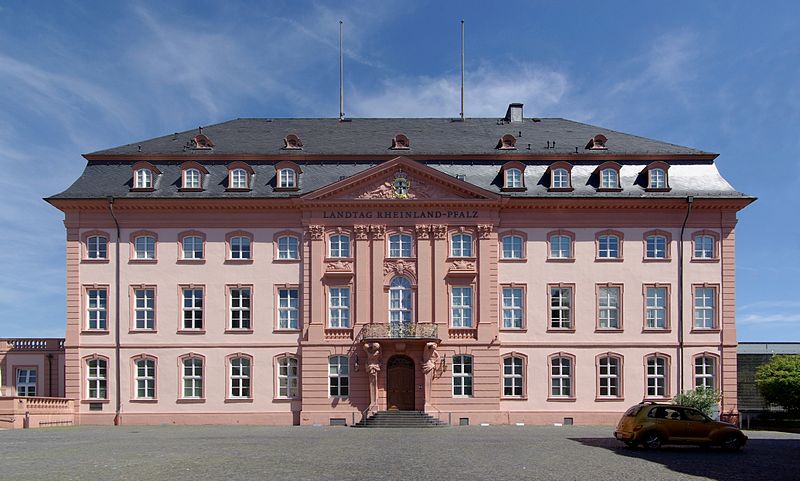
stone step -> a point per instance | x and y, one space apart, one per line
400 419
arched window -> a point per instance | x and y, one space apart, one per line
512 247
339 376
462 375
192 378
96 247
513 178
560 179
143 179
704 246
513 377
400 245
339 245
192 178
192 247
561 380
400 300
609 179
560 245
288 248
144 247
705 372
145 378
287 178
288 375
657 376
608 246
461 245
239 377
238 179
656 247
97 378
240 247
609 377
657 179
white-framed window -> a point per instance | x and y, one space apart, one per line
560 179
192 378
461 306
143 179
192 179
240 378
704 308
240 247
288 308
561 377
97 379
144 247
512 307
513 178
657 178
400 300
339 376
609 179
339 307
656 376
608 307
192 246
561 307
288 376
26 381
240 307
339 245
192 308
608 247
513 377
144 308
512 247
462 375
288 248
287 178
400 245
461 245
704 247
239 179
608 376
704 371
97 309
145 379
96 247
656 308
560 246
656 247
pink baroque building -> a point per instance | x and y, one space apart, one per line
304 271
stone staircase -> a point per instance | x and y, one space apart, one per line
400 419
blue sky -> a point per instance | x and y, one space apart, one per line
722 76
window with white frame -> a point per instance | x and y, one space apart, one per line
144 247
145 379
288 248
513 377
513 178
240 308
287 178
609 179
461 307
26 381
339 245
192 308
608 247
608 307
560 179
239 378
400 300
657 178
704 370
192 246
144 308
97 379
288 375
704 247
400 245
143 179
97 309
560 246
512 307
96 247
192 179
561 307
192 378
338 376
461 245
656 376
240 247
656 308
561 377
704 308
339 307
239 179
608 376
462 375
512 247
288 308
656 247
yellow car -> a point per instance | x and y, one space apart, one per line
652 425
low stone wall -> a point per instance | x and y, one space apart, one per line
35 412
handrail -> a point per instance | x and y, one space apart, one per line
399 330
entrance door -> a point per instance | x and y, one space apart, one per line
400 384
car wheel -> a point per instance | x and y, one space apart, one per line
651 440
732 442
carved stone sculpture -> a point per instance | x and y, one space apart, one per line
373 350
317 232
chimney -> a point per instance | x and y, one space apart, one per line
514 113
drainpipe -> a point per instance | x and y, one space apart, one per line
50 374
116 316
689 202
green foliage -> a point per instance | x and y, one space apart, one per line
779 381
702 399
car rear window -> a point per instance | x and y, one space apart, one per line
633 411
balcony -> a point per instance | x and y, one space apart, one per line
406 331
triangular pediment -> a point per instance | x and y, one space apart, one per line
401 179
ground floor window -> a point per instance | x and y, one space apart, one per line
240 377
97 379
339 376
26 382
193 378
287 377
513 377
656 376
462 375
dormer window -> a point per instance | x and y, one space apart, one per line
560 177
202 142
401 142
507 142
144 176
598 142
513 176
239 175
608 177
657 176
292 142
287 176
238 179
286 179
192 176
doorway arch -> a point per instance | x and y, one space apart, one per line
400 393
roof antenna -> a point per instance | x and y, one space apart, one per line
462 70
341 76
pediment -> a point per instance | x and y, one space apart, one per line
401 179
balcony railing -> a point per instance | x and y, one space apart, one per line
393 330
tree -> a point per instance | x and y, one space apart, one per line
702 399
779 381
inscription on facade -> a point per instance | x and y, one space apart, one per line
400 214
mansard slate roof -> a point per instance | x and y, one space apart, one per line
451 147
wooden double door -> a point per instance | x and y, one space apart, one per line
400 383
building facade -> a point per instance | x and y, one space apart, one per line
305 271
